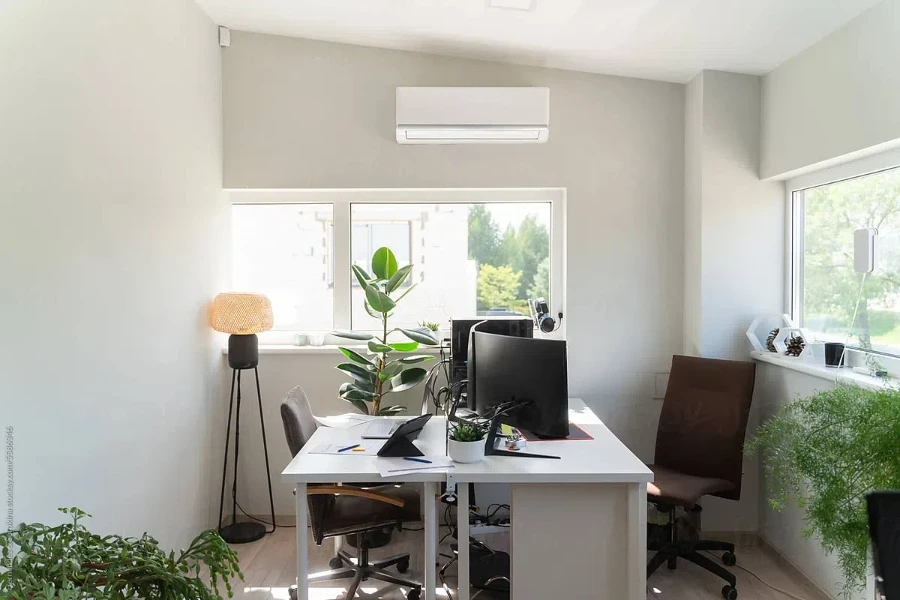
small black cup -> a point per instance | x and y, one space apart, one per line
834 354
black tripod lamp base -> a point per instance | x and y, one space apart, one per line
242 533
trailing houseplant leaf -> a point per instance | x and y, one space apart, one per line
824 453
376 376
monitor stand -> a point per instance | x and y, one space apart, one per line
489 449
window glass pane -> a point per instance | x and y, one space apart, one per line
838 303
282 251
468 259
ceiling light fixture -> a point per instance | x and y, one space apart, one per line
526 5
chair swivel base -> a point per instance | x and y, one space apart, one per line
670 552
374 570
242 533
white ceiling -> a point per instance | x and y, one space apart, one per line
655 39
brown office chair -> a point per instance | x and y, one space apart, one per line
699 451
346 510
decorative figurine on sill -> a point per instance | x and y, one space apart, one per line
770 341
795 345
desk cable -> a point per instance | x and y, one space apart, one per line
762 581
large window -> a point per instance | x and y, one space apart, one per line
472 252
833 298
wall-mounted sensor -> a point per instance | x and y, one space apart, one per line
864 250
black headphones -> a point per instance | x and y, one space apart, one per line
540 312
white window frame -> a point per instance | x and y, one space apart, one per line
794 232
342 199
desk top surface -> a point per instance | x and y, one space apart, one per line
604 459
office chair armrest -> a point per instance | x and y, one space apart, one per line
332 490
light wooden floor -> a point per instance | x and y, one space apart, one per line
268 567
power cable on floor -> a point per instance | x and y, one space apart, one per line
762 581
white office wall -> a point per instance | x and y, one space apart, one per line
111 244
307 114
734 231
838 97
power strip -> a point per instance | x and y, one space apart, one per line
486 529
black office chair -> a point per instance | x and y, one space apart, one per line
884 529
347 510
699 452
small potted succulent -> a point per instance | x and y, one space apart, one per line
467 440
433 327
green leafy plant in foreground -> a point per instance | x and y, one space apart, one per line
469 431
376 375
69 562
824 453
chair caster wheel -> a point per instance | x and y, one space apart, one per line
403 566
336 562
729 559
729 593
292 592
413 594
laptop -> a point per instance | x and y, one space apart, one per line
381 429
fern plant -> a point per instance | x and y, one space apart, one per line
824 453
68 562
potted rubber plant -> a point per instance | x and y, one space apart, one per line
69 562
378 373
467 439
825 453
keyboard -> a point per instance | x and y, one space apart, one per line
381 429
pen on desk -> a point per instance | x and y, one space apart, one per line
349 448
414 459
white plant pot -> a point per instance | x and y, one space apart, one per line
466 452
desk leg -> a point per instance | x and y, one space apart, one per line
637 540
462 526
302 544
430 563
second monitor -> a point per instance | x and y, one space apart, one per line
503 368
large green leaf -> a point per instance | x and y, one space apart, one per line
404 346
362 276
357 372
391 410
390 370
384 263
416 358
379 301
358 394
359 404
408 379
354 356
352 335
398 278
423 336
378 347
370 310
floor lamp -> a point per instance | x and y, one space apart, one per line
243 316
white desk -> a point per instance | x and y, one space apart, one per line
579 524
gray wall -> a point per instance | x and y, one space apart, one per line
110 178
838 97
306 114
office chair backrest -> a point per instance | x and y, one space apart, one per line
884 529
298 419
299 426
704 419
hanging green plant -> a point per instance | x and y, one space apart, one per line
68 562
824 453
376 375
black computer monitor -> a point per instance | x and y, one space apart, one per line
533 371
460 328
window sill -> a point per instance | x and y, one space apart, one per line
327 349
843 374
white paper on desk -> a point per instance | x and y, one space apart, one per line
345 421
394 467
365 448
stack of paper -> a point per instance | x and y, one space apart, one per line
344 421
349 447
393 467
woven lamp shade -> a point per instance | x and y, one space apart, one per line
241 314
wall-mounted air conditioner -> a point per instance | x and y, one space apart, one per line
473 115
